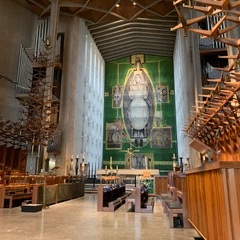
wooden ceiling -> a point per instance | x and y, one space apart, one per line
133 27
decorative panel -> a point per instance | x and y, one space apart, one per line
139 114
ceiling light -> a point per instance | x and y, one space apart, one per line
117 5
134 3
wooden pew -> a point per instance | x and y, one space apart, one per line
140 204
31 187
140 201
173 208
170 196
109 201
174 202
178 208
14 193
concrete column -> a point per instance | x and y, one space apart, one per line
51 43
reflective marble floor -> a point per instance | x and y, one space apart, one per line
79 219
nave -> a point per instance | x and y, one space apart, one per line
79 219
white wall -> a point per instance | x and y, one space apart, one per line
82 95
81 114
187 80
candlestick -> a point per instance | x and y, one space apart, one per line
174 162
146 163
187 164
83 164
181 163
76 166
110 162
71 167
174 165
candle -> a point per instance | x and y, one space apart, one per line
77 155
174 165
174 155
72 157
117 167
110 162
105 167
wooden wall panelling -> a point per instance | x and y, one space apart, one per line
180 182
161 183
238 144
9 158
209 210
191 194
232 186
202 209
15 163
220 208
214 200
23 160
3 152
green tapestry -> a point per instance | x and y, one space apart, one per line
139 114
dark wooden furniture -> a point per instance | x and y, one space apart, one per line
143 202
110 197
140 201
9 195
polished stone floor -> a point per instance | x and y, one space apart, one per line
79 219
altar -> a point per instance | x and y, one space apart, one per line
127 172
139 175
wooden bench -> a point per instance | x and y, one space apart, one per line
170 196
143 206
173 207
138 204
179 208
113 205
111 200
130 200
164 198
14 193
